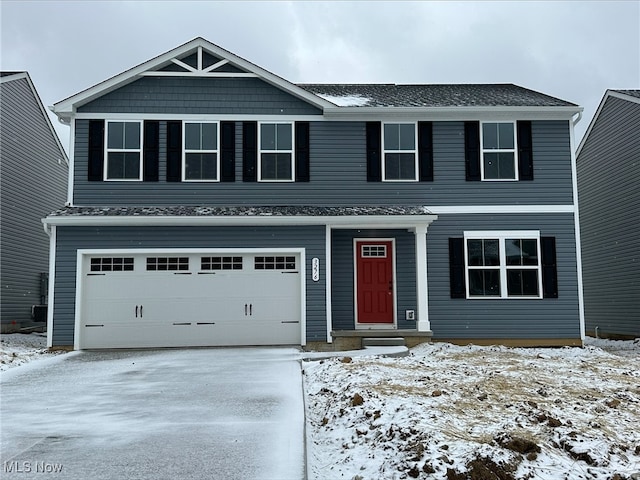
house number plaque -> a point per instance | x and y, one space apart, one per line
315 269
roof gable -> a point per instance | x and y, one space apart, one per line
632 96
6 77
197 58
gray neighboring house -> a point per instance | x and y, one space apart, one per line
608 160
33 181
215 203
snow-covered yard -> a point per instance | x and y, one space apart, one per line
449 412
19 348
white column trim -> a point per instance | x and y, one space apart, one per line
327 269
422 318
51 286
72 162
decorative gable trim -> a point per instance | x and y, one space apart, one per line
198 46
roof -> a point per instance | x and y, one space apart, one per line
408 217
631 93
242 211
332 99
6 77
632 96
454 95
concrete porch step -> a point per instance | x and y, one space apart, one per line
383 342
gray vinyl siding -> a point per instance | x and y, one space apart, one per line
210 96
506 318
70 239
33 183
608 180
342 275
338 164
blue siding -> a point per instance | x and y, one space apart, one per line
33 182
342 281
70 239
516 318
210 96
338 164
608 179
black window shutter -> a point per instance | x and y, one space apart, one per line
249 151
95 165
456 268
302 151
472 151
374 153
549 267
174 151
425 151
525 151
227 151
151 150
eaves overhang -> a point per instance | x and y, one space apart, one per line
452 113
364 217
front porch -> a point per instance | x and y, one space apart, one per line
356 339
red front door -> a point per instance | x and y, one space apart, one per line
374 282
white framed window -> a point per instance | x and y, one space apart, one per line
400 155
499 151
123 151
200 155
503 264
276 159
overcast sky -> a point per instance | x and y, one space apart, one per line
573 50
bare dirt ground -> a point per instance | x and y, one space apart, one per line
449 412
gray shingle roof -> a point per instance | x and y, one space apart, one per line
244 211
454 95
631 93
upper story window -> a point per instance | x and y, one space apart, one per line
400 153
503 264
123 153
499 160
276 162
201 152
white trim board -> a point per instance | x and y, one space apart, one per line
365 221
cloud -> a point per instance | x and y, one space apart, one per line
572 50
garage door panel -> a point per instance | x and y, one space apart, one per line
219 300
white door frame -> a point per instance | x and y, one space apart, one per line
82 253
375 326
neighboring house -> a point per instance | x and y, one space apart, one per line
215 203
608 161
33 181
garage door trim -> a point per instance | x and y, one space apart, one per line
81 253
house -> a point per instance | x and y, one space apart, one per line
215 203
33 182
608 161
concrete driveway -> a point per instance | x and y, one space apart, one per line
227 413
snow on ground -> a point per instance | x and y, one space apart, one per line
455 413
19 348
450 412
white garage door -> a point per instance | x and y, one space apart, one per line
193 299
